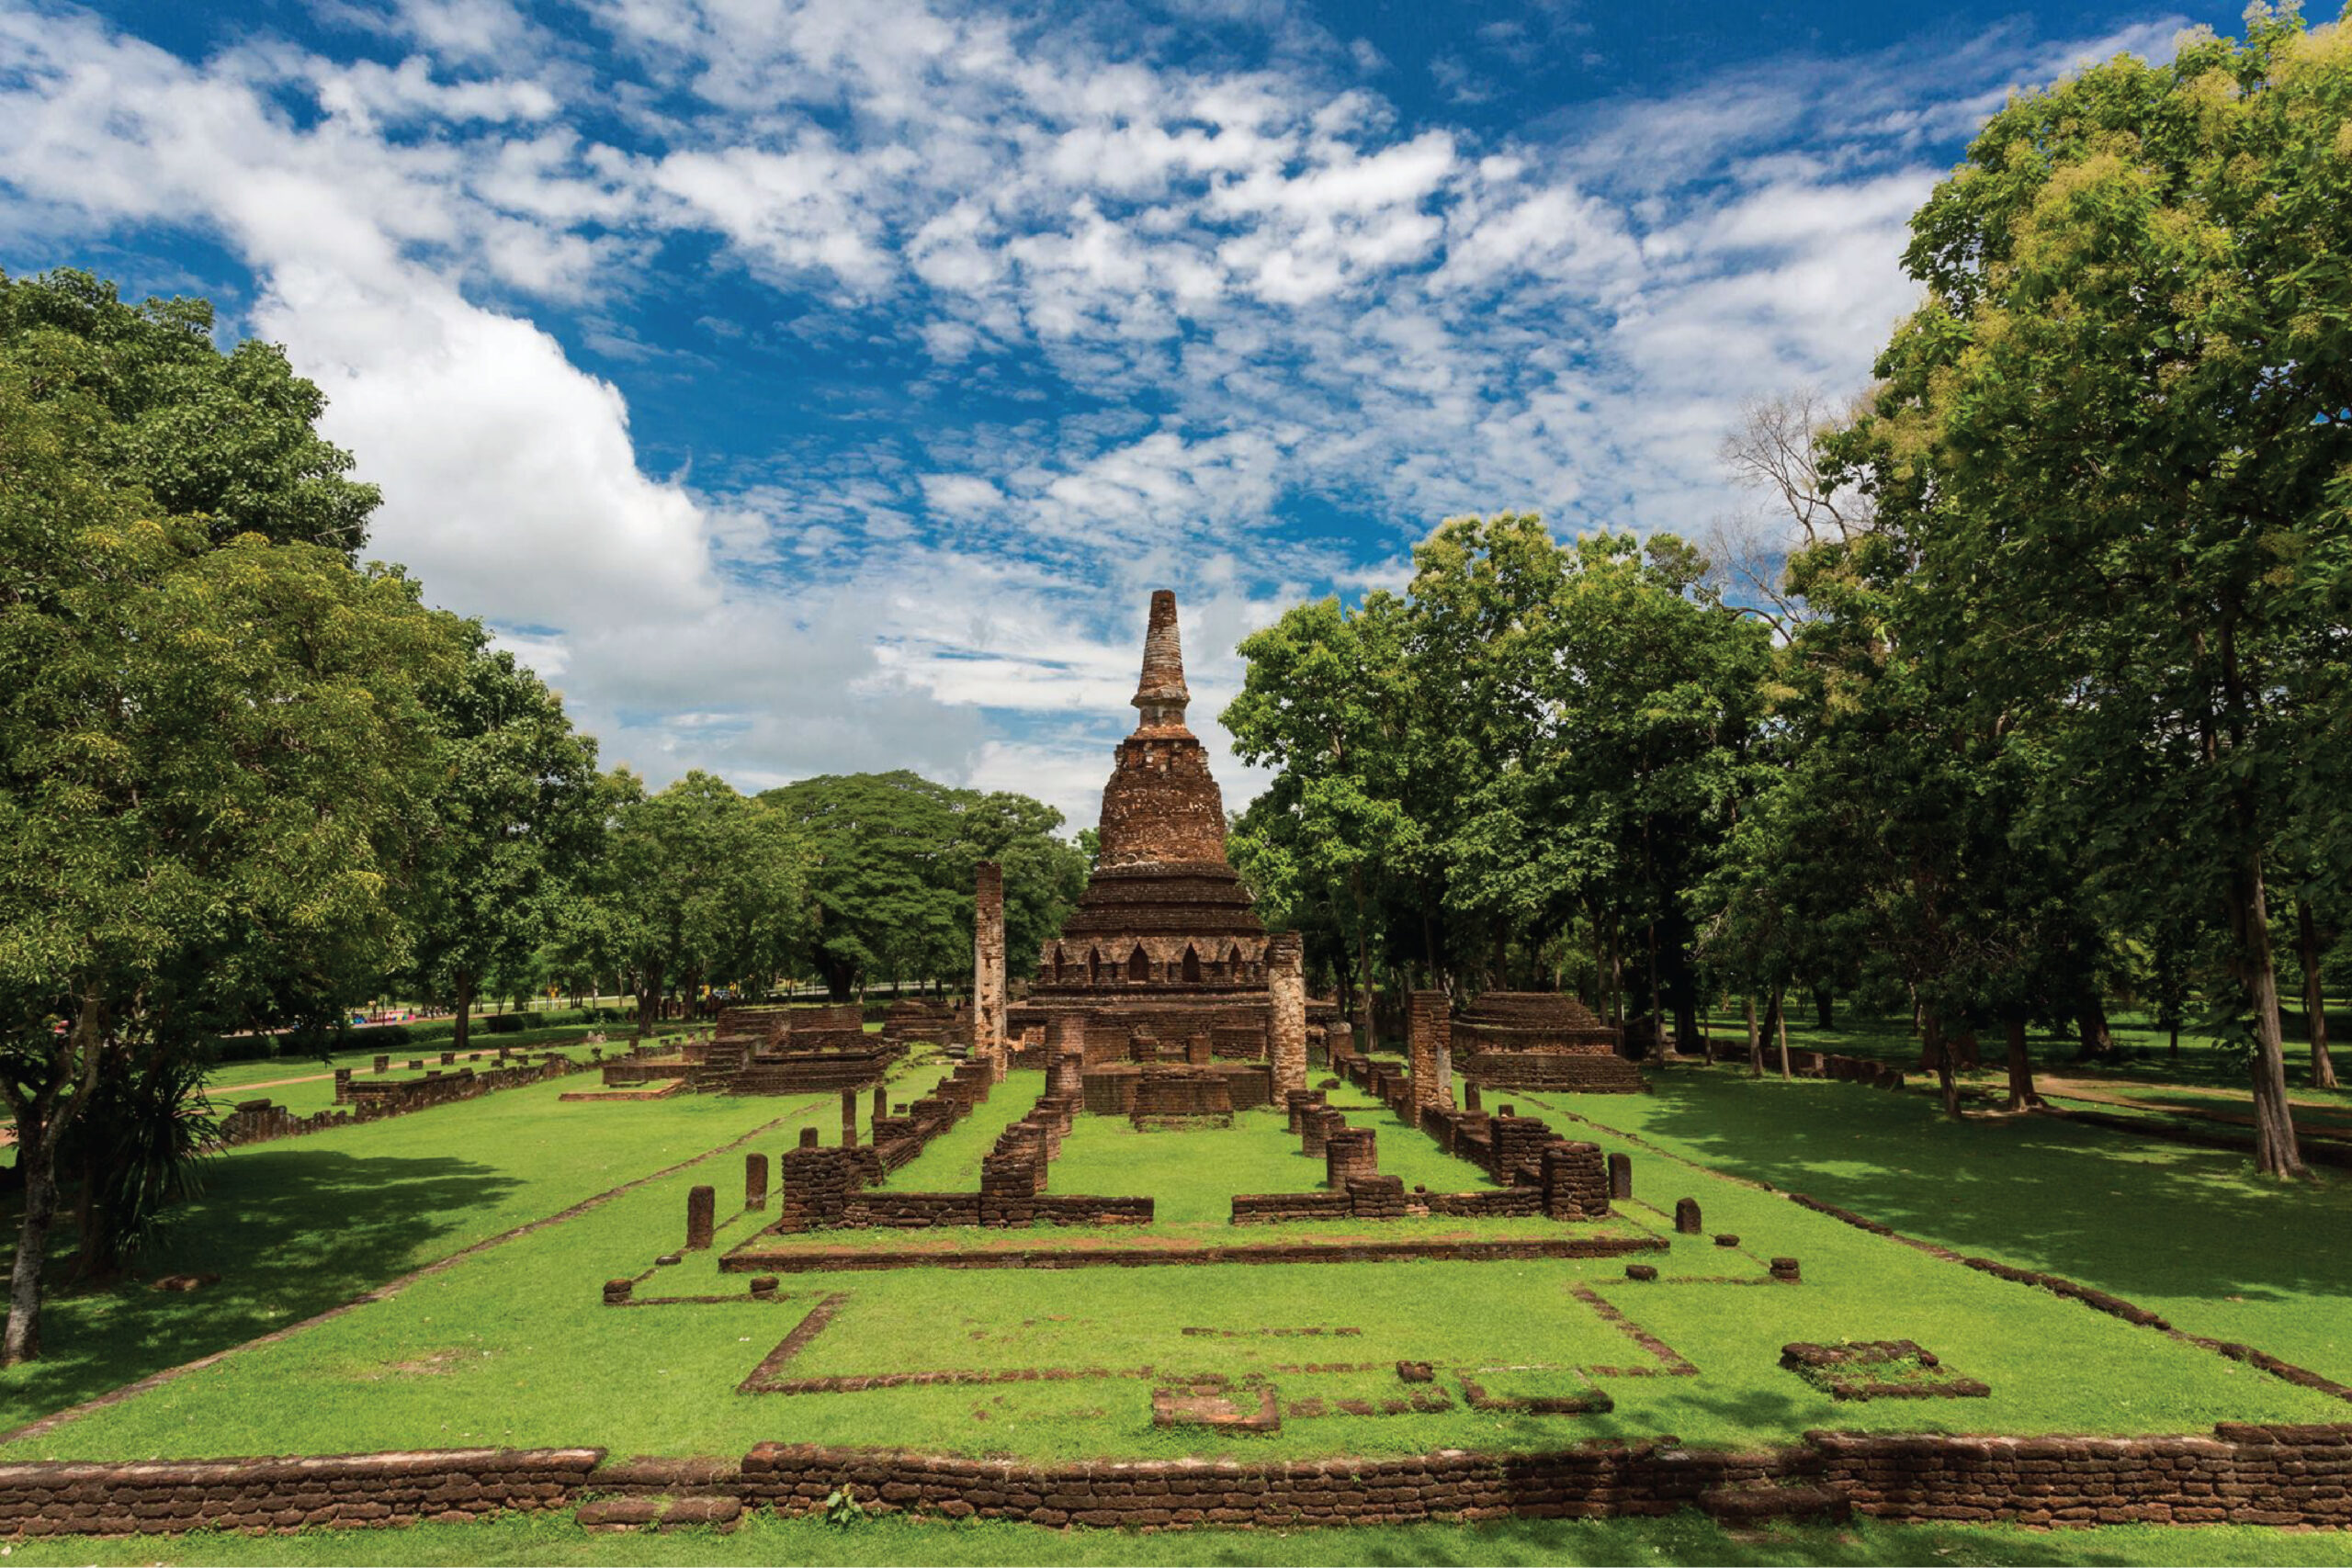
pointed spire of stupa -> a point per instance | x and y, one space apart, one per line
1161 694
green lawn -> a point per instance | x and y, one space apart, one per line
2190 1232
511 1346
1685 1537
296 1226
2144 1056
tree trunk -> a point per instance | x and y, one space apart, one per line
1658 1004
649 999
2021 1090
2307 942
1781 1026
1755 1041
1599 969
2091 1033
2275 1150
1825 1007
1364 962
1931 1029
1616 973
40 1127
38 1160
465 1014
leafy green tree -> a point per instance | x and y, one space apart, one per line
1327 701
2116 437
215 760
892 860
696 884
229 439
216 755
513 819
883 864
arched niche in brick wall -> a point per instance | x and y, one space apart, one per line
1191 964
1138 964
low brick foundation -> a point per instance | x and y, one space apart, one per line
756 1256
262 1121
2290 1476
332 1491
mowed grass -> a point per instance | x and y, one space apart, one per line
2145 1056
314 1091
2193 1233
1192 1174
297 1226
230 1076
951 1162
514 1346
1685 1538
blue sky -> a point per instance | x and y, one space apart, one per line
814 388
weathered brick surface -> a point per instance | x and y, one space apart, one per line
262 1121
334 1490
2296 1476
988 960
1286 988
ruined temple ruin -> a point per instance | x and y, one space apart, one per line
1162 979
1539 1040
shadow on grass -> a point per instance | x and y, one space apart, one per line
2132 1216
291 1231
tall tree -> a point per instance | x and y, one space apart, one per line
214 747
1327 700
2117 435
513 819
890 875
215 760
695 883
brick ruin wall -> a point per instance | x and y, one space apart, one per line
815 1071
262 1121
2280 1476
1542 1173
1580 1073
1811 1063
829 1189
988 959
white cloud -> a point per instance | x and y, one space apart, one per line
1217 290
509 478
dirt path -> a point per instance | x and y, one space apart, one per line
266 1083
2119 1083
2333 1124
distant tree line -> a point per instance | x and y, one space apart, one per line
2050 704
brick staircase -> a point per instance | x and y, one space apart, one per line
720 1063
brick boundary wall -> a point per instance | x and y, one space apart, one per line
2296 1477
330 1490
261 1122
749 1259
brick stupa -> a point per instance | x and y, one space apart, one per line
1163 953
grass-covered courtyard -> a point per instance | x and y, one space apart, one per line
510 1345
